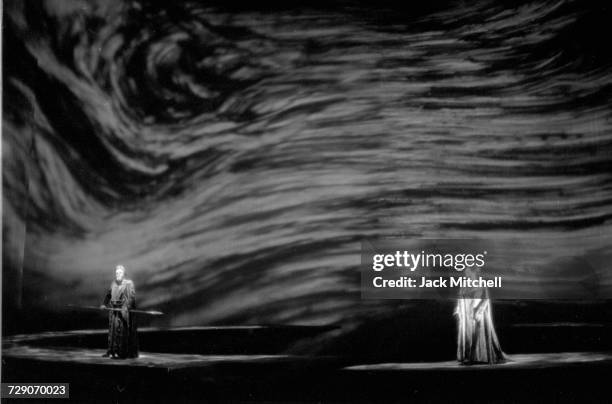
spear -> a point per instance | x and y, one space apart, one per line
149 312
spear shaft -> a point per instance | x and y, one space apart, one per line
149 312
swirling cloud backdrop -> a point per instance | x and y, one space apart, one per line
232 159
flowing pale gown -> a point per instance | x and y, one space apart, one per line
476 338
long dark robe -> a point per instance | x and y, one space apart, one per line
122 333
477 340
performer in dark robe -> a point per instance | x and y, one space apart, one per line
477 340
122 334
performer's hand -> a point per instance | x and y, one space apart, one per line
102 307
124 312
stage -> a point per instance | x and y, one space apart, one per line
256 372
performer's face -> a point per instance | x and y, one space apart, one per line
119 274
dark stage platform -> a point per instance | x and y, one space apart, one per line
240 364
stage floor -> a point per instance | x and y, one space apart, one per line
515 361
76 357
162 360
171 361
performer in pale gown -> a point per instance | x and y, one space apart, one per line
476 338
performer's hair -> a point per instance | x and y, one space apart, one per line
121 267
